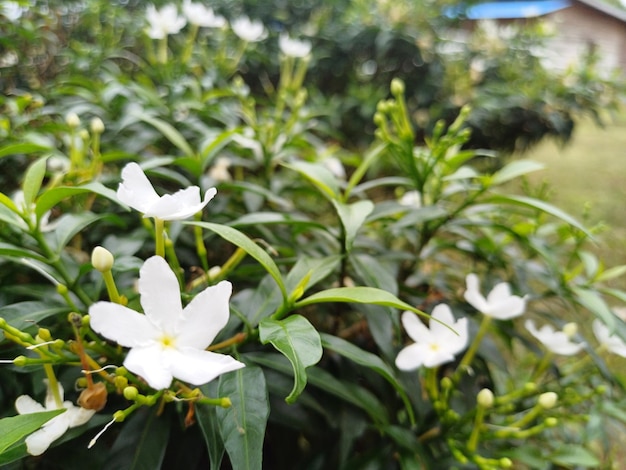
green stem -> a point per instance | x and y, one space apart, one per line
471 352
162 51
54 385
111 287
159 236
472 443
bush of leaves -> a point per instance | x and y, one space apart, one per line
196 274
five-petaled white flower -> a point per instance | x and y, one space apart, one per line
499 304
136 191
164 21
293 47
169 340
200 15
435 346
39 441
610 341
559 342
250 31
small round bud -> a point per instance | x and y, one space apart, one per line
120 382
81 382
379 119
121 371
20 361
505 463
119 416
83 134
97 126
72 120
85 320
485 398
131 393
102 259
446 383
44 334
601 389
93 398
62 289
548 400
570 329
397 87
530 386
551 421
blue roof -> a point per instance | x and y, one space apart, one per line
514 9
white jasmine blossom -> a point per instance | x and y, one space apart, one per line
219 171
294 47
39 441
499 304
168 340
435 345
136 191
250 31
559 342
12 11
411 199
610 341
201 15
164 21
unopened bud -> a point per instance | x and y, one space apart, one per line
548 400
97 126
130 392
551 422
20 361
44 334
485 398
120 382
83 134
397 87
102 259
505 463
72 120
570 329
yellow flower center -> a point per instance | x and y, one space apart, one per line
168 341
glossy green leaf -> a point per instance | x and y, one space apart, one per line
242 426
8 203
207 419
142 441
7 249
321 177
33 180
245 243
540 205
309 271
299 341
611 273
21 315
592 301
68 225
170 133
515 169
15 428
574 455
23 148
53 196
362 295
352 217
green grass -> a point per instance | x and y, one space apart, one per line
588 180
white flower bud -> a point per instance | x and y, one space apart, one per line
570 329
548 400
485 398
102 259
97 126
72 120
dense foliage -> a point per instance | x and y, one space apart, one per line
338 243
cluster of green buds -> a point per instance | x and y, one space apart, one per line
83 147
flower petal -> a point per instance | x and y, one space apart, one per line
198 367
160 295
135 189
442 320
472 293
77 415
458 342
411 357
508 308
414 327
611 342
121 324
205 316
39 441
26 405
180 205
51 403
149 363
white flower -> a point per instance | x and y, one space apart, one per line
250 31
435 346
293 47
200 15
499 304
559 342
164 21
335 166
611 342
411 199
169 340
12 11
136 191
219 171
39 441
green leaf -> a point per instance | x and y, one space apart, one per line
8 202
242 426
242 241
309 271
321 177
574 455
69 225
611 273
539 205
142 442
15 428
299 341
592 301
33 180
207 153
7 249
24 148
361 295
169 132
21 315
207 419
352 217
515 169
369 360
52 197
